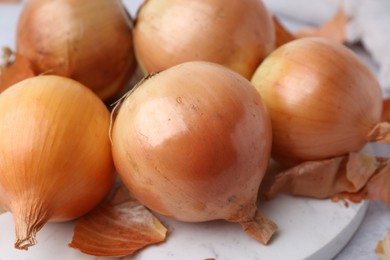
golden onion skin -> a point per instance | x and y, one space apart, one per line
237 34
90 41
55 153
193 143
322 99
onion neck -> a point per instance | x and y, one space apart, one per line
29 219
255 223
260 227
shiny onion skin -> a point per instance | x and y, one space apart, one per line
55 154
90 41
322 99
193 142
237 34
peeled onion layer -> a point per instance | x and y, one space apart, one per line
55 154
118 227
355 177
192 143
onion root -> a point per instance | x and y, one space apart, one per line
28 221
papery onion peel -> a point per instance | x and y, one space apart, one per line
118 227
354 177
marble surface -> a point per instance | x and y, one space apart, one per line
309 229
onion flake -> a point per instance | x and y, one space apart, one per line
355 177
380 133
383 247
119 227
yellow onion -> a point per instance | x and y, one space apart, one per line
90 41
322 99
193 142
55 154
237 34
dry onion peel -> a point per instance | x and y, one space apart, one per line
356 177
281 33
193 142
237 34
13 69
322 99
118 227
335 29
380 133
90 41
55 154
383 247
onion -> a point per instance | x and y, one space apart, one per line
193 143
237 34
322 100
55 154
90 41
